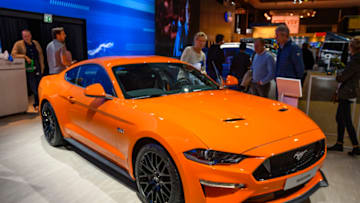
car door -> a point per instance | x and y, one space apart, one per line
70 77
99 126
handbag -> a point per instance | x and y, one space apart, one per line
246 78
30 66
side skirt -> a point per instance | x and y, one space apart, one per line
98 157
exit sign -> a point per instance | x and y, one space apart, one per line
48 18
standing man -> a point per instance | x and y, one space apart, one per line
57 55
31 51
215 56
263 69
308 57
240 63
194 54
289 63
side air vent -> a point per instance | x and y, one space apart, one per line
234 119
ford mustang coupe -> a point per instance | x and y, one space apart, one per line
181 136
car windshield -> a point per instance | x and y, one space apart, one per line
159 79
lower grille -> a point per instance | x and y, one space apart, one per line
274 195
290 162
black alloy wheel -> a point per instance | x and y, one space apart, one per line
157 178
51 126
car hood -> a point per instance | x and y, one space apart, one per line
228 120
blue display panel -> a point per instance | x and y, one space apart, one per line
114 27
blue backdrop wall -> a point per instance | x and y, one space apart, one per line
114 27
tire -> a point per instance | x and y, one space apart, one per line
157 178
51 126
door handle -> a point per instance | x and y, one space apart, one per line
71 99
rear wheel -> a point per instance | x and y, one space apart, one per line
157 178
51 126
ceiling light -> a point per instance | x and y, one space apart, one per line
301 16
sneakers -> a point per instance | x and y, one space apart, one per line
36 109
354 152
336 147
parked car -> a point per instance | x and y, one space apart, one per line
333 50
181 136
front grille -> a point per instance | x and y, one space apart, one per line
290 162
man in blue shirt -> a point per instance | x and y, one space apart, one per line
289 63
263 69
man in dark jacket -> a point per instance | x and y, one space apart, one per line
240 63
215 56
289 63
308 57
348 85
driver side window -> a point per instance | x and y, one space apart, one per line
92 73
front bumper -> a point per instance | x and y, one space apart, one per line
302 198
242 174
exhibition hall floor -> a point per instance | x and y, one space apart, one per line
32 171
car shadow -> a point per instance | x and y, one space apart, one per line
59 153
6 120
119 177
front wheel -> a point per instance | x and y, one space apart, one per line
51 126
156 175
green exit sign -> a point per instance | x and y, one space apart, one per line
48 18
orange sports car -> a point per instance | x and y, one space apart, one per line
181 136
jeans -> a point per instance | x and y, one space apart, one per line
260 90
343 119
33 80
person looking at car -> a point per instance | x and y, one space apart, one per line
194 54
31 51
263 69
289 63
57 55
349 83
240 63
215 57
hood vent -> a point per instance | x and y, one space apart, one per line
234 119
283 109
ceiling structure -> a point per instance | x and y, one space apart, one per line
289 4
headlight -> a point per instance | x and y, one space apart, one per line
211 157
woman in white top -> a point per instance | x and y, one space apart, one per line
194 54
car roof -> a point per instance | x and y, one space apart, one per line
111 61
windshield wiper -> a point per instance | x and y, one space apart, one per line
149 96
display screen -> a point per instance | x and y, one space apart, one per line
114 27
172 26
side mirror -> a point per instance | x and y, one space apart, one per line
231 81
95 90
